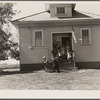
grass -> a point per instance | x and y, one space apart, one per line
12 78
41 80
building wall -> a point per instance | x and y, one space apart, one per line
86 53
28 55
34 55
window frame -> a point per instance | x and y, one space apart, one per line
65 12
89 29
34 37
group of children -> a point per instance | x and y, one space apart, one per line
54 65
59 55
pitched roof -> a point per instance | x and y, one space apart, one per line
45 16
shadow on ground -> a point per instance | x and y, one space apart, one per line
13 72
17 71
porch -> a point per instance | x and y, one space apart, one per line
62 43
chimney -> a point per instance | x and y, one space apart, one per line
47 7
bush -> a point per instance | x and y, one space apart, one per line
10 49
3 57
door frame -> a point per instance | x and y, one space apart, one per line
60 32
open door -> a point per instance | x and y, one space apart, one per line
62 39
67 41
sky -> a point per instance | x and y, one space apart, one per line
32 7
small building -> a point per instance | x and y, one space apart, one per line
60 24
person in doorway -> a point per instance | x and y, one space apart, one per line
63 53
67 47
69 56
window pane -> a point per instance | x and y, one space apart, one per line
60 10
38 38
85 36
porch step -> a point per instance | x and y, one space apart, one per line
69 68
66 64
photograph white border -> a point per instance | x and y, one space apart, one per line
49 94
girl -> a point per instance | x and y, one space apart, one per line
68 56
45 63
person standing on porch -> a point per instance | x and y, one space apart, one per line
67 47
59 55
69 56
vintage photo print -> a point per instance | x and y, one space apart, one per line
49 49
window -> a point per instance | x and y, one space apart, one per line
86 36
60 10
38 38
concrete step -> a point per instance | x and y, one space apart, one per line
67 65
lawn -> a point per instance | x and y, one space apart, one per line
41 80
12 78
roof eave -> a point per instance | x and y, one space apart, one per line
54 21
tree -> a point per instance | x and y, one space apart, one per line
6 45
6 12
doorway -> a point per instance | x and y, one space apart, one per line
61 42
62 39
67 41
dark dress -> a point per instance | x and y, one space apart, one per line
56 65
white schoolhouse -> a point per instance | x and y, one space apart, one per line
59 24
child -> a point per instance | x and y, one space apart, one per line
56 64
45 63
59 55
68 56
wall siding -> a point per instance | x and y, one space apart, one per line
88 53
28 55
